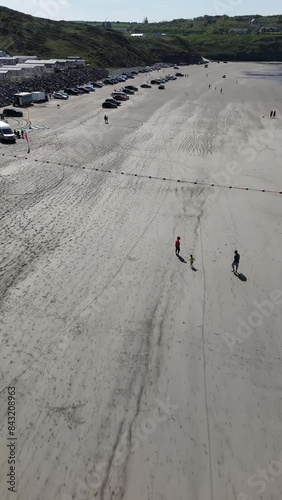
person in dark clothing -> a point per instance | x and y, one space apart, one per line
274 114
235 263
271 114
177 245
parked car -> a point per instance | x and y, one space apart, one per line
71 92
179 74
223 76
83 89
176 67
131 87
80 92
120 97
12 112
108 81
60 95
114 101
90 88
161 87
108 104
127 91
146 86
6 133
97 85
154 82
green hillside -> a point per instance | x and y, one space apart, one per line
209 35
28 35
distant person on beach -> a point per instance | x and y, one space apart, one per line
177 245
191 260
235 263
274 114
271 114
58 106
209 86
221 91
106 119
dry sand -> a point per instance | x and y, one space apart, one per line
137 378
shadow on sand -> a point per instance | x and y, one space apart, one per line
181 259
241 276
194 269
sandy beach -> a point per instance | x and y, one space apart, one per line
134 376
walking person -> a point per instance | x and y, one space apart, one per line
191 260
235 263
271 114
106 119
177 245
274 113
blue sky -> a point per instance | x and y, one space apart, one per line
136 10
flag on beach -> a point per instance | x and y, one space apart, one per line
26 138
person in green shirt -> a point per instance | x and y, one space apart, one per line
191 260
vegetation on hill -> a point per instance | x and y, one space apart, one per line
205 25
28 35
209 35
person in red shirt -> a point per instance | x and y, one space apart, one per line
177 245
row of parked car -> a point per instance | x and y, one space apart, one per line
113 80
124 92
90 87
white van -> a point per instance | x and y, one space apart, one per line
6 133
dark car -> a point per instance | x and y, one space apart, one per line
97 85
154 82
179 74
161 87
83 89
80 92
114 101
12 112
71 92
131 87
120 97
127 91
146 86
108 104
176 67
223 76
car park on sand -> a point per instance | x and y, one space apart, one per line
108 104
60 95
131 87
120 97
12 112
113 101
146 86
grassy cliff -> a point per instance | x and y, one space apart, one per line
28 35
